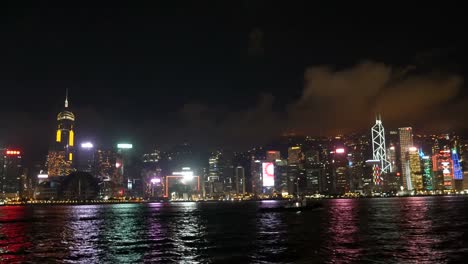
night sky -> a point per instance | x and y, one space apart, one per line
227 74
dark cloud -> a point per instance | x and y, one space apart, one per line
332 101
347 100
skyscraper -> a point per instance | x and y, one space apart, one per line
415 169
457 171
443 170
214 183
295 155
379 150
86 158
60 157
314 170
10 173
240 180
406 141
272 155
427 173
296 174
392 158
340 170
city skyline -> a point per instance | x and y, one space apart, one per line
247 131
236 83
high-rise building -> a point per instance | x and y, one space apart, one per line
58 164
151 174
240 180
295 155
464 163
296 175
281 176
60 157
86 160
272 155
10 173
415 169
132 182
378 146
340 170
314 169
108 171
426 163
443 170
406 141
214 181
360 175
457 171
392 158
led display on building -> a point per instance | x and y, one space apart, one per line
268 174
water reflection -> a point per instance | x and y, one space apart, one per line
271 239
14 244
81 234
398 230
123 234
342 234
417 232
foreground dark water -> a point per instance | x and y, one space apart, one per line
393 230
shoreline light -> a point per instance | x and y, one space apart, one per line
124 146
87 145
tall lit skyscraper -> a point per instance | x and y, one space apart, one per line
427 173
457 171
60 158
391 155
415 169
443 170
295 169
406 141
314 170
379 151
340 170
86 160
10 173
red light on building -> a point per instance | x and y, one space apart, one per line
397 174
13 152
339 150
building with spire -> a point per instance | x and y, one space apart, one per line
61 155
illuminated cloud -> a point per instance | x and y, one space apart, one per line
341 101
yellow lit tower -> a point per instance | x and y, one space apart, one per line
65 136
60 158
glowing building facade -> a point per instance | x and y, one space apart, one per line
406 141
426 164
457 171
415 169
60 158
443 170
379 151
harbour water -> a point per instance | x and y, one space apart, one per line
383 230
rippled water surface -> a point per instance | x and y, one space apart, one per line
393 230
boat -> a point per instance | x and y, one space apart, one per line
295 207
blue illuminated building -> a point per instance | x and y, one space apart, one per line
457 172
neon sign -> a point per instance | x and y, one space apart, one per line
268 169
